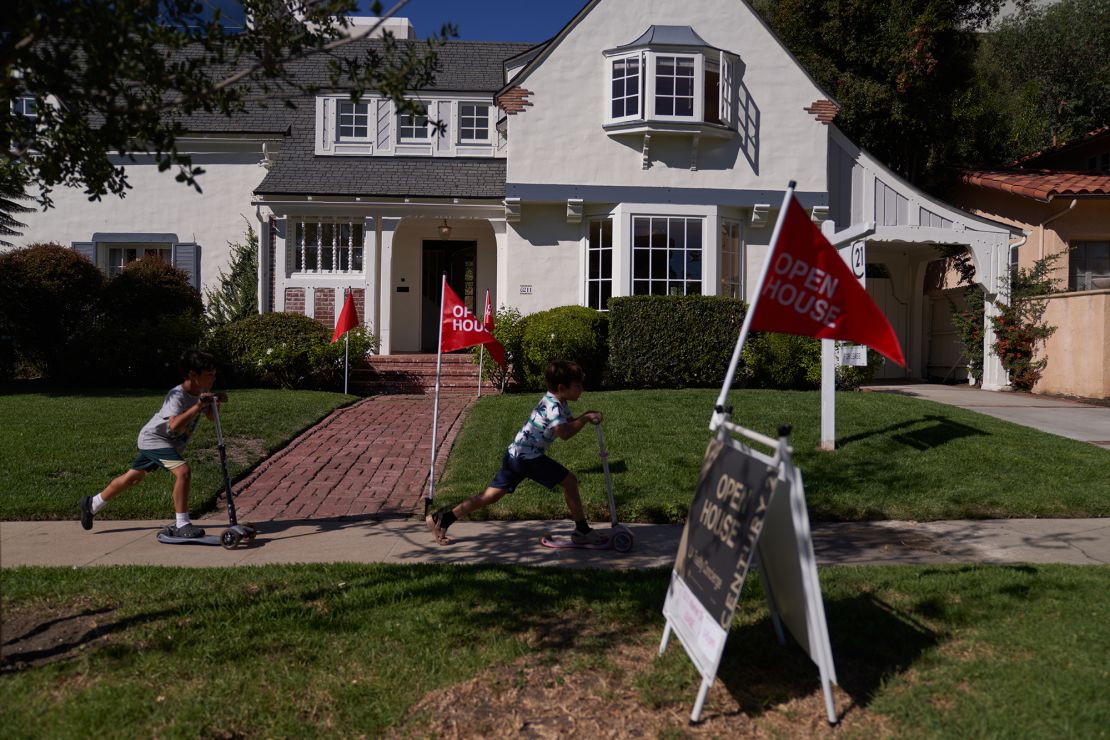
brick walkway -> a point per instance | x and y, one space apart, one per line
369 459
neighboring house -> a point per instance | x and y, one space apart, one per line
643 150
1061 199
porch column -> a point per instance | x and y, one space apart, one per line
281 260
995 259
501 239
371 265
387 229
711 255
263 260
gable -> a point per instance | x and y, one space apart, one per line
561 138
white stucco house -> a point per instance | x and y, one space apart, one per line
643 149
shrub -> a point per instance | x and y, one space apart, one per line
236 295
566 332
672 341
508 328
47 296
789 362
1019 327
284 350
147 315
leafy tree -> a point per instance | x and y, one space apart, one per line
898 70
967 321
236 296
118 76
11 206
1046 71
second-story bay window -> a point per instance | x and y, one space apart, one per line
671 77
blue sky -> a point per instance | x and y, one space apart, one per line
489 20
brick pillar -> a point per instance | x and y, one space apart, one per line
294 300
323 302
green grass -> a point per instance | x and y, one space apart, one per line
282 651
897 458
57 446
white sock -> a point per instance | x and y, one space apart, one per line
183 519
98 503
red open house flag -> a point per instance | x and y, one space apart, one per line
348 318
461 328
810 290
496 350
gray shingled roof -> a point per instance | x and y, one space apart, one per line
298 171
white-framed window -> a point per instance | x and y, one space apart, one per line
25 106
328 246
474 121
666 255
625 88
599 264
352 121
674 78
1088 260
121 256
732 260
412 127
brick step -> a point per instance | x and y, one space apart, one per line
416 374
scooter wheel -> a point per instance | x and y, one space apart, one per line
622 542
230 539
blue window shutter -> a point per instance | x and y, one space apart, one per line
87 250
186 257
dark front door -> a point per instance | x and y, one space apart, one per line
456 259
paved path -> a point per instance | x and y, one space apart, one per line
1036 541
1082 421
369 459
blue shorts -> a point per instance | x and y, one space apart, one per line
150 460
542 470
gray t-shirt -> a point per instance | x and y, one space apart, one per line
156 434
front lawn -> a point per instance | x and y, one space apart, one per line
373 650
57 446
897 458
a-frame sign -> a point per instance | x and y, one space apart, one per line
746 503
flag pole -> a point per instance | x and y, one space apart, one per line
721 411
481 360
346 360
435 412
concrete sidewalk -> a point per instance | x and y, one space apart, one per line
1074 541
1085 422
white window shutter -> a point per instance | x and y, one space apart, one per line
87 250
186 257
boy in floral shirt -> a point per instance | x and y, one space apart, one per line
527 456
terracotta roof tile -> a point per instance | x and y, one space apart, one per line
1042 185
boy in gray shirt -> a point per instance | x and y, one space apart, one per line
162 442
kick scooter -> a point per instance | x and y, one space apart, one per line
236 533
619 536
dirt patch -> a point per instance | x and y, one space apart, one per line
525 699
244 450
35 636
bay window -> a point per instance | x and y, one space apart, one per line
322 246
599 265
666 255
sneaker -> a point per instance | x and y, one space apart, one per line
593 537
86 512
189 531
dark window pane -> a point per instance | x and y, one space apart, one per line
665 66
658 287
659 233
684 107
684 87
633 107
641 233
676 264
685 67
693 288
658 263
640 287
607 264
594 298
640 264
595 265
607 234
664 106
693 266
606 294
664 86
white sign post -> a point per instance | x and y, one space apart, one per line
856 257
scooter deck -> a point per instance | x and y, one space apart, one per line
169 539
564 542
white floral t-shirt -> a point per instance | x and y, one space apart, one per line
539 431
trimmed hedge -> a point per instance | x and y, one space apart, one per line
672 341
283 350
788 362
566 332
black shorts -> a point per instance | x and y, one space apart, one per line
542 470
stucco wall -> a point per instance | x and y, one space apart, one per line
560 140
545 258
1079 351
158 204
